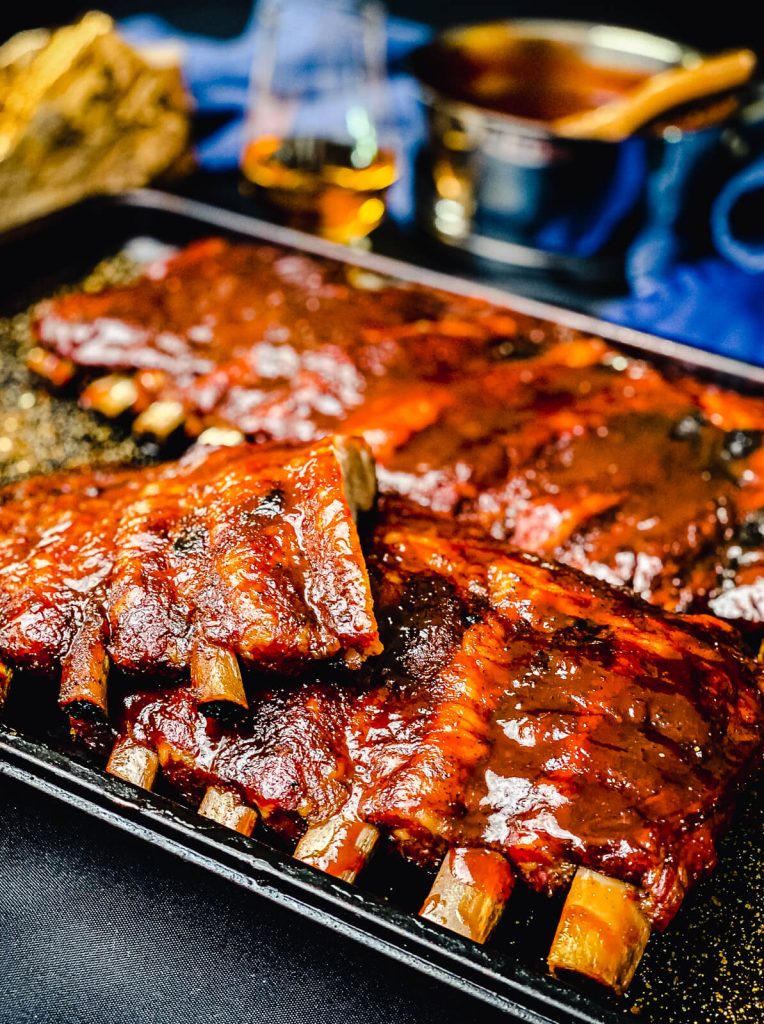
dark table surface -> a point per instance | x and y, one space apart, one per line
97 927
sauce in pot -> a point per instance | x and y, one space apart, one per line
531 78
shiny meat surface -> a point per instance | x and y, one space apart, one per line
557 442
517 705
252 550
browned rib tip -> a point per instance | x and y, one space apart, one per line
469 892
111 395
85 670
133 763
6 674
53 368
340 846
216 676
602 931
225 807
161 418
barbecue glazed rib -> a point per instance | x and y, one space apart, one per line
559 443
247 553
518 707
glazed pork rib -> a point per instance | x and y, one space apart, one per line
558 443
523 720
248 553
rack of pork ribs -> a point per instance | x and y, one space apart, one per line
482 709
520 719
557 442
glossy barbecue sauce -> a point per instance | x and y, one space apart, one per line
249 554
516 706
538 435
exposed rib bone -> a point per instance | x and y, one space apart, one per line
469 892
225 807
160 419
358 473
340 846
216 676
602 932
84 673
133 763
111 395
54 368
215 436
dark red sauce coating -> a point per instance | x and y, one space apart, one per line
484 871
557 442
517 706
253 550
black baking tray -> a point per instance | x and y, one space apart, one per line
707 967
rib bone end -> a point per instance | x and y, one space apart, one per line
602 932
358 473
84 676
53 368
133 763
111 395
340 847
225 807
161 419
226 437
469 893
216 677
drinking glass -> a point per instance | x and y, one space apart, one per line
319 149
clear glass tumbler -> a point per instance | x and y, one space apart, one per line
318 148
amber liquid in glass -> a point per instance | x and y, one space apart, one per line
326 187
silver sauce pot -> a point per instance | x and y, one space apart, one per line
505 188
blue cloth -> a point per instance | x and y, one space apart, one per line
714 300
742 245
696 269
710 303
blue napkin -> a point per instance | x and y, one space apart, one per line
696 270
709 293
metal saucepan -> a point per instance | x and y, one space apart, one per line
497 181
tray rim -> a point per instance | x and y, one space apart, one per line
653 344
251 863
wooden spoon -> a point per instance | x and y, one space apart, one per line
615 121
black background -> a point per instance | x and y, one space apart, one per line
98 928
706 25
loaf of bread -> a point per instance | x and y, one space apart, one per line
81 112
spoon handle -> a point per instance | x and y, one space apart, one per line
615 121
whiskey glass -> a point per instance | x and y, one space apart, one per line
319 149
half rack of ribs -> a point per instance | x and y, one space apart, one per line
523 720
248 553
559 443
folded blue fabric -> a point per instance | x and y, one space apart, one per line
710 303
742 244
694 271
